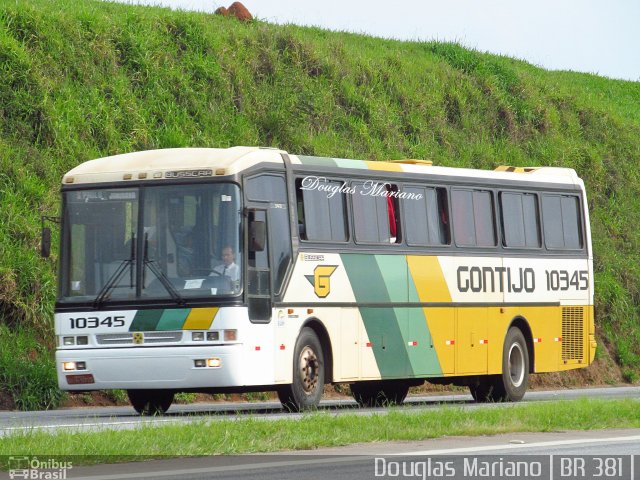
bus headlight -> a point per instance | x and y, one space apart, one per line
197 336
214 362
68 366
81 340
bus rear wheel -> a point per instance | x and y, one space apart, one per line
511 385
379 394
150 402
305 391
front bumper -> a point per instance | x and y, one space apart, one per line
151 368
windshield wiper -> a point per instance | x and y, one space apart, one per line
166 283
114 279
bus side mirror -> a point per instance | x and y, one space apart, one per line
45 242
257 236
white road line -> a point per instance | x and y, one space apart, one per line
354 458
511 446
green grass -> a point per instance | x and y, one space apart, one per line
254 435
27 371
81 80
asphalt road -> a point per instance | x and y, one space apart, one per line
438 458
580 455
85 419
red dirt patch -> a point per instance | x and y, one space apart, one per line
236 9
90 399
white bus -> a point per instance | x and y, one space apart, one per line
251 269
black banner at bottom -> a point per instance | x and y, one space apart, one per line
304 466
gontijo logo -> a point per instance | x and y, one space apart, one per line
321 279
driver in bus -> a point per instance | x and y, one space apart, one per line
228 267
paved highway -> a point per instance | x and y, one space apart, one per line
457 458
83 419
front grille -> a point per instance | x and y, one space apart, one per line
127 338
572 333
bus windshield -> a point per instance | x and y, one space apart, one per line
154 242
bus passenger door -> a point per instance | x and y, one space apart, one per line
259 291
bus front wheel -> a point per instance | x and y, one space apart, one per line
306 389
150 402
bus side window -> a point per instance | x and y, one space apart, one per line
519 220
427 217
561 222
375 216
321 209
392 208
302 231
473 218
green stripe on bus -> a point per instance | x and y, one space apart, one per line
344 163
145 320
423 355
321 161
394 271
173 319
413 291
382 324
386 341
424 358
365 278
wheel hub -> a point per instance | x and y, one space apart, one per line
309 367
516 364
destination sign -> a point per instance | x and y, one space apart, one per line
189 173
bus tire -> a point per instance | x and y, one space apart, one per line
379 394
513 382
150 402
305 391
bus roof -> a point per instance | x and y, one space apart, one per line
206 162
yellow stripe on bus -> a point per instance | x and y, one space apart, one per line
200 318
384 166
428 278
431 286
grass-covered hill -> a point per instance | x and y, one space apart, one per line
80 80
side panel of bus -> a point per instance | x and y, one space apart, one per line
404 316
